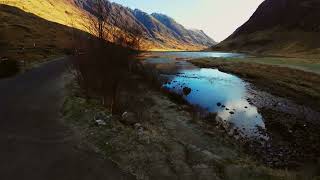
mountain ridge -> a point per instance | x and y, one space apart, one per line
165 33
156 35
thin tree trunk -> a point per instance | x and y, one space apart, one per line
114 97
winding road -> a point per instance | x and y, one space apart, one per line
34 143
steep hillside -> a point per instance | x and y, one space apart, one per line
183 34
158 35
24 36
279 27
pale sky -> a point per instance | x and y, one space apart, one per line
217 18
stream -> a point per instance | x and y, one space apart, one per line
210 90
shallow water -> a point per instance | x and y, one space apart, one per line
212 91
193 55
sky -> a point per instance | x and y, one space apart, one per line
217 18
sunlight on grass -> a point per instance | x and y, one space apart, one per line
53 10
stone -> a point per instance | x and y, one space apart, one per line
187 91
101 118
185 107
129 118
137 125
100 122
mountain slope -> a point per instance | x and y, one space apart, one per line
183 34
158 32
157 35
24 36
279 27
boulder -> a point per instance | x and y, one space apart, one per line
187 91
101 119
100 122
129 118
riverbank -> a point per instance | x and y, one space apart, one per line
288 100
155 138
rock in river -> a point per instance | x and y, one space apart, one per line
186 91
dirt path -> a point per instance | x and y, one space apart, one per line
34 143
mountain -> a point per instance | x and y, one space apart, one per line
279 27
189 36
160 31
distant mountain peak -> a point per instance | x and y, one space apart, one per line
155 14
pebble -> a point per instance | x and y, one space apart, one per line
100 122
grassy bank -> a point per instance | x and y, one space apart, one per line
305 64
271 75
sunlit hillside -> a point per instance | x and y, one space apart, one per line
66 12
60 11
24 36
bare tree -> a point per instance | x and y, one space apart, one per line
101 14
96 22
104 66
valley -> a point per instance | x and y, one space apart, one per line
92 89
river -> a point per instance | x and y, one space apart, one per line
209 90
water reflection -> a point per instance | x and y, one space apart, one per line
219 93
192 55
211 90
